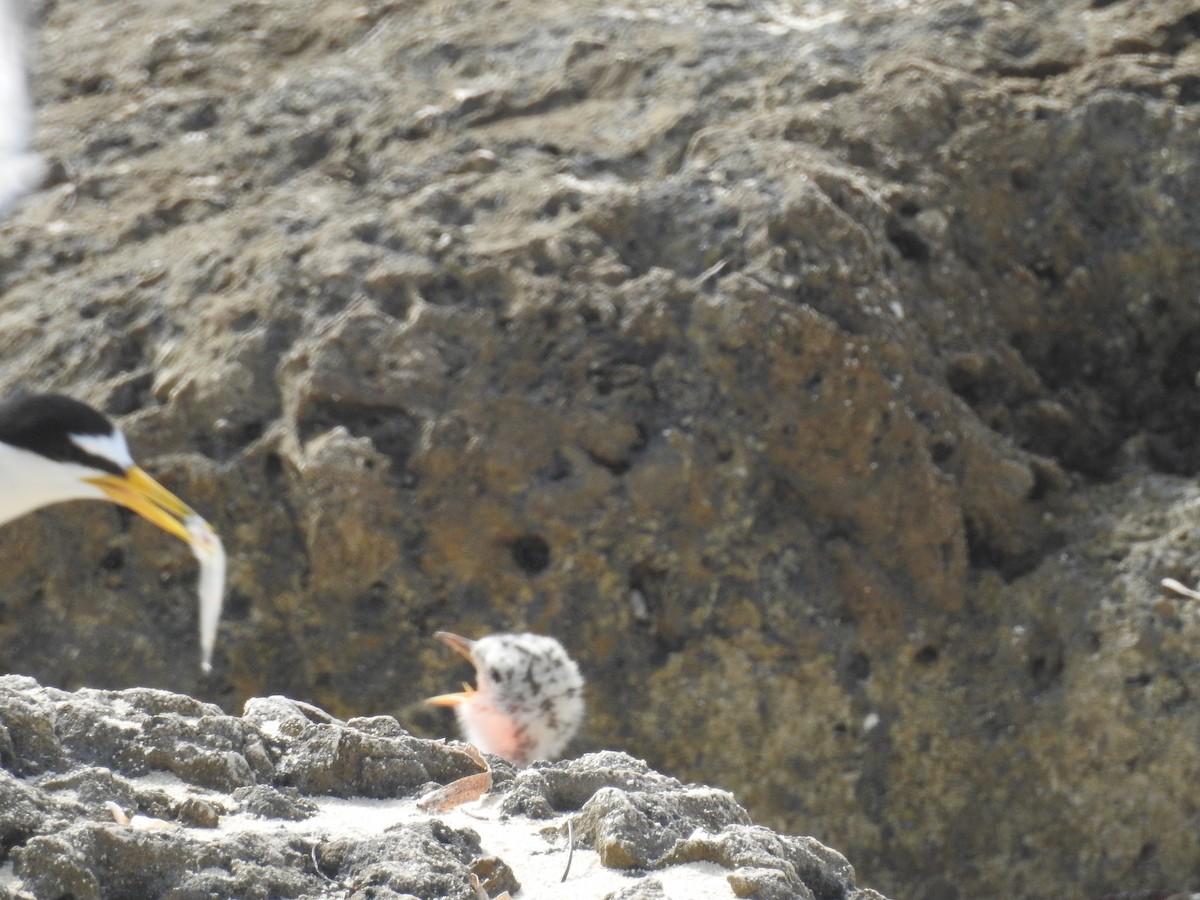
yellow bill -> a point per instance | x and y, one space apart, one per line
139 492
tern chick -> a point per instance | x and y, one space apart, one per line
529 700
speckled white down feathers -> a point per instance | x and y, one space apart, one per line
529 700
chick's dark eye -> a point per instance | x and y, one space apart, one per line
496 674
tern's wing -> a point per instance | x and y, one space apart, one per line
20 170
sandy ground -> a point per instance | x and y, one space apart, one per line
537 851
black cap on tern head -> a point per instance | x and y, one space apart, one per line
44 424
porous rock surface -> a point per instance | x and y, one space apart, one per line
823 374
66 757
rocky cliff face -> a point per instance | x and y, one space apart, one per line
822 376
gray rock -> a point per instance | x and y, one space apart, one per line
544 789
647 889
195 741
62 840
768 864
28 744
639 829
28 811
343 761
428 860
274 803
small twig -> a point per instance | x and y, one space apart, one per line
710 272
570 850
317 868
345 886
